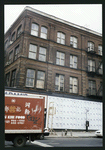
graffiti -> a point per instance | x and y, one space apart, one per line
37 109
32 118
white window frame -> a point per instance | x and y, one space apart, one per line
32 52
60 38
43 33
10 56
91 65
40 80
31 78
90 46
73 41
34 31
19 30
73 62
60 58
42 54
92 87
73 81
60 82
100 68
100 50
17 50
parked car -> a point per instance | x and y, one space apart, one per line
46 133
99 133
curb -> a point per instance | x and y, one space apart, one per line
71 136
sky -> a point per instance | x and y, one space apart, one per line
86 15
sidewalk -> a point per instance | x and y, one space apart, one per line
72 134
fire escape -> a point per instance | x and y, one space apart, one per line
91 72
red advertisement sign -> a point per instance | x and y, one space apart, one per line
24 113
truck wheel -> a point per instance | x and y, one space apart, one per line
19 141
41 137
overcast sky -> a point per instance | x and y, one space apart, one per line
87 15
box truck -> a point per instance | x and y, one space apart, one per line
24 117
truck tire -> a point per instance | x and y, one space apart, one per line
41 137
19 141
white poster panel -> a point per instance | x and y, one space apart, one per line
67 113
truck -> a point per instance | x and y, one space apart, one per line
24 117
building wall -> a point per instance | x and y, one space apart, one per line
23 62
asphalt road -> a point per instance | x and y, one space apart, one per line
63 142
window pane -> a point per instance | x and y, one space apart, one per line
63 36
58 40
35 26
34 33
58 61
58 54
62 41
62 55
62 62
42 50
30 73
42 58
32 55
40 75
33 48
56 80
58 34
40 84
43 29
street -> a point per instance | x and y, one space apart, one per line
63 142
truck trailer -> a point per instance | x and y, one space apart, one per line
24 117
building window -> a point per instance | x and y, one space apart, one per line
40 79
6 44
13 37
73 41
42 54
101 89
73 61
10 56
7 79
92 87
19 30
13 78
73 85
59 82
30 78
91 65
60 58
90 46
16 52
34 29
100 68
32 51
100 50
43 33
60 38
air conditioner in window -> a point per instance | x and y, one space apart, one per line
71 44
10 42
7 63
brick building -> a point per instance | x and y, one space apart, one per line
48 55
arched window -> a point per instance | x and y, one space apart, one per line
19 30
100 49
43 33
90 46
73 41
13 37
34 29
60 38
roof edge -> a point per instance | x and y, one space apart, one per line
61 20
